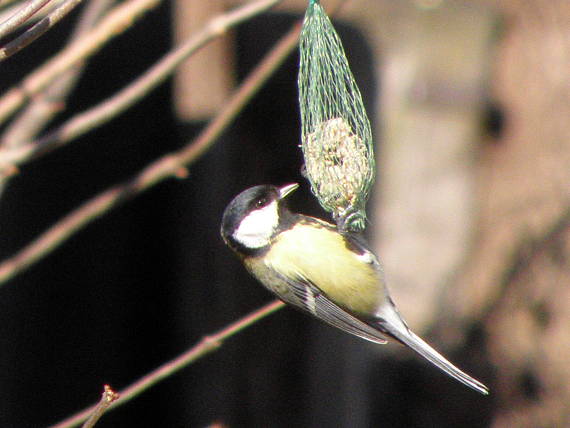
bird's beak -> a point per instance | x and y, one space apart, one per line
286 190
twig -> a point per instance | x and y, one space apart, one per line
48 103
7 10
105 111
167 166
4 3
21 16
217 424
205 346
107 398
38 29
116 22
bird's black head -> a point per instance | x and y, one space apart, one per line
254 216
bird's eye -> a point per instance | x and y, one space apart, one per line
261 202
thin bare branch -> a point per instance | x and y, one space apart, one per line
205 346
217 424
121 18
167 166
105 111
47 104
8 9
38 29
21 16
107 398
4 3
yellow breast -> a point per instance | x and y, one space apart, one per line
320 255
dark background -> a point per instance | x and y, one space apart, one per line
150 279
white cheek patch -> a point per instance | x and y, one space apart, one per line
256 230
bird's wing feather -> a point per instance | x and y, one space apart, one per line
308 297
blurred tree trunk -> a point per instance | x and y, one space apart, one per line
518 273
196 97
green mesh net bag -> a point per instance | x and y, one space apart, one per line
336 136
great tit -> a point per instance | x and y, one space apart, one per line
307 263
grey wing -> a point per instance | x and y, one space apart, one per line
308 297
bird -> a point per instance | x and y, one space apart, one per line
307 263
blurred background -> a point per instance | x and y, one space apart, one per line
469 101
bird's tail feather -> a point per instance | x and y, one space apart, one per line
394 326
